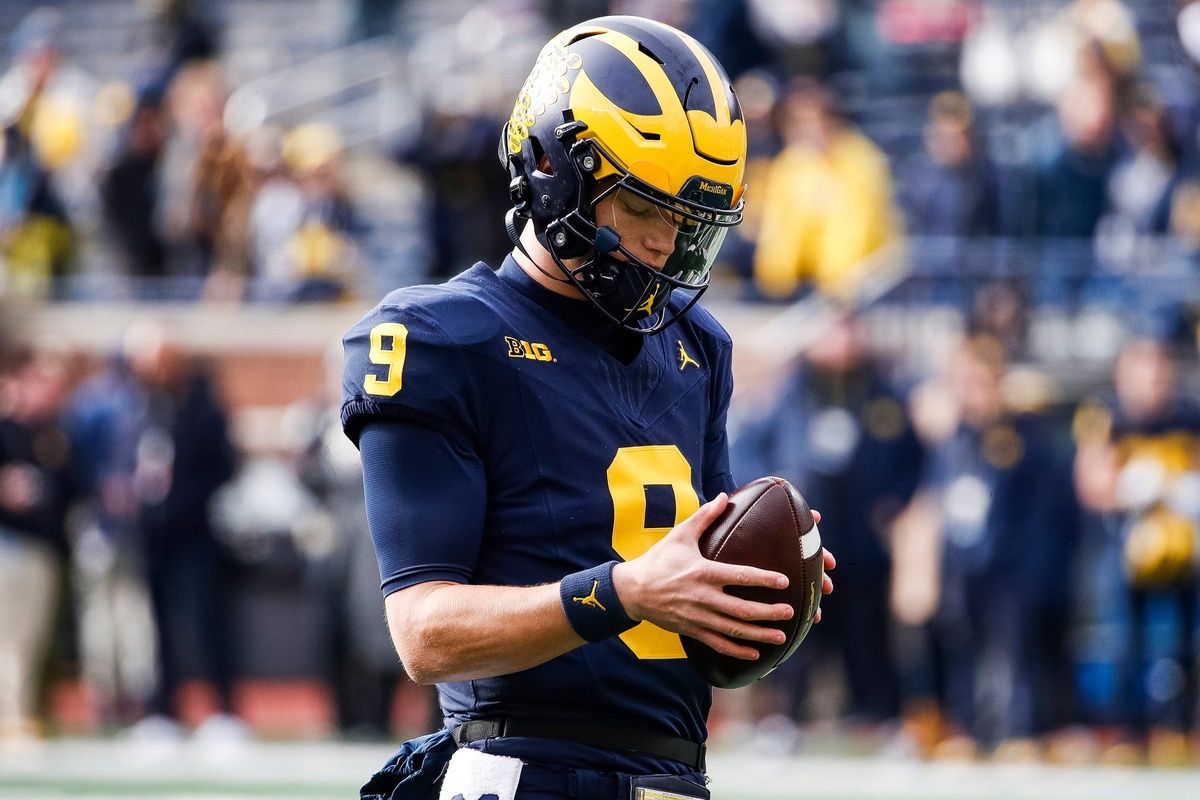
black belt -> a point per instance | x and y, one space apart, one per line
605 737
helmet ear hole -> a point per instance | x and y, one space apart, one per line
544 165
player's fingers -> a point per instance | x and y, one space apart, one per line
748 610
739 629
698 522
742 575
725 646
817 616
816 516
827 585
830 561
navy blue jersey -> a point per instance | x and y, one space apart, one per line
585 458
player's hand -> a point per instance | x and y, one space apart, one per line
830 563
678 589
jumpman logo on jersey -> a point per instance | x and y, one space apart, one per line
684 358
648 306
591 600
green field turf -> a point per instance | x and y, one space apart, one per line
101 770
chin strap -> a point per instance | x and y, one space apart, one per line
606 269
510 225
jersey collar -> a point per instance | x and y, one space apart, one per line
577 314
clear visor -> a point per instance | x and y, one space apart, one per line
679 240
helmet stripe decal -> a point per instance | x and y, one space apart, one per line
715 84
679 60
621 81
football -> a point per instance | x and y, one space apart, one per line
767 524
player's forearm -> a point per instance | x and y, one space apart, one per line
465 632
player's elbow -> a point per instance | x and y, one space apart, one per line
418 637
425 659
418 669
413 654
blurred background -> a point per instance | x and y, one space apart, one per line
966 301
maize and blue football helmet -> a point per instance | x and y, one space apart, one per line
627 105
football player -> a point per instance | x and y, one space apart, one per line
539 441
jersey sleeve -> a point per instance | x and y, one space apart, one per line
426 503
401 365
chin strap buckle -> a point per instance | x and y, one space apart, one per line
518 192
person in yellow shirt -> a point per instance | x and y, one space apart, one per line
827 204
46 158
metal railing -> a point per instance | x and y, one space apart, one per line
361 89
1068 273
376 92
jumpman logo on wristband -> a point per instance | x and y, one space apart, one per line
591 600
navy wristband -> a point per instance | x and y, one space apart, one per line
592 605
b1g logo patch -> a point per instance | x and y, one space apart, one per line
534 351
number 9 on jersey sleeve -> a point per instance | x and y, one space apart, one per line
391 358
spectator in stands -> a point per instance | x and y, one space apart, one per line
48 102
1073 155
36 240
302 224
116 626
1086 39
205 180
949 189
820 37
1002 503
827 203
1138 469
758 94
1076 154
456 155
1140 185
183 34
840 432
949 192
35 491
726 28
183 457
129 191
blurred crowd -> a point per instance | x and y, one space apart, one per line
1042 141
136 537
133 186
1021 575
1017 526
